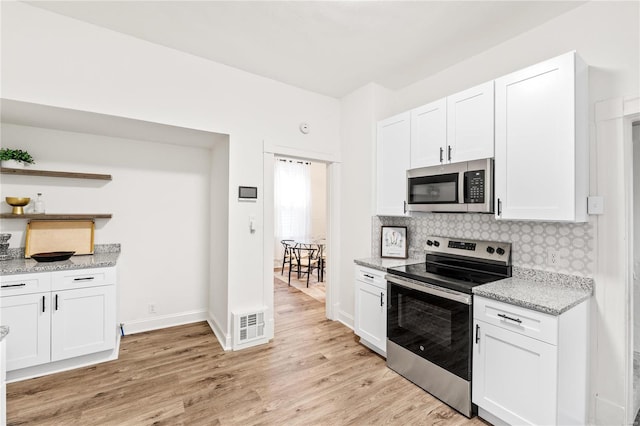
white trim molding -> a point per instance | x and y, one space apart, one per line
223 338
163 321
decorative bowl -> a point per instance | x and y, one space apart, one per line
17 203
53 256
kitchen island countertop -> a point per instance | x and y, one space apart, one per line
382 264
103 257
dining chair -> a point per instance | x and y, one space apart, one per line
320 260
286 257
301 262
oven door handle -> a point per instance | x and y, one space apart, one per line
455 296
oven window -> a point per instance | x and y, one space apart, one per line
434 189
432 327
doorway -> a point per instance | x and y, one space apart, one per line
300 225
333 172
635 172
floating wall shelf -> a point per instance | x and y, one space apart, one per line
55 216
51 173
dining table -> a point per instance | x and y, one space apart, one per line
319 243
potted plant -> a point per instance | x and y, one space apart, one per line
15 158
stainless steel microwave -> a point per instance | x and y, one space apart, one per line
454 187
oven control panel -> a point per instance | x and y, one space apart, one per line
486 250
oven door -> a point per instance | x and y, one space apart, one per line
432 323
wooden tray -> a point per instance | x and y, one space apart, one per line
59 235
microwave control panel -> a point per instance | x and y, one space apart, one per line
474 186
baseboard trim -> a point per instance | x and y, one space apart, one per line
346 319
64 365
223 338
164 321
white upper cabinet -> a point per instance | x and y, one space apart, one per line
392 164
541 146
456 128
470 124
428 134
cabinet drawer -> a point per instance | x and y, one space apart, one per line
13 285
537 325
371 276
80 278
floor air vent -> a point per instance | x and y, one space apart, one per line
248 327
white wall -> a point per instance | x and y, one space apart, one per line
605 34
219 266
53 60
360 110
156 190
318 200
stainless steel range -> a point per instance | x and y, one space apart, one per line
430 315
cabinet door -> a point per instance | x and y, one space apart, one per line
83 322
371 315
535 156
392 164
429 134
514 377
29 318
470 124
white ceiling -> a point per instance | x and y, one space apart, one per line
329 47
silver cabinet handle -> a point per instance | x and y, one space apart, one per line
84 279
381 299
369 276
499 207
477 333
441 154
449 153
14 285
42 303
518 320
56 302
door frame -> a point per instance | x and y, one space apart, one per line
631 115
270 151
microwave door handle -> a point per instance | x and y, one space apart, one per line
461 186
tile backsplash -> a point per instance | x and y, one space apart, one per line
531 241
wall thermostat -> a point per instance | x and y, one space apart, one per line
247 192
304 128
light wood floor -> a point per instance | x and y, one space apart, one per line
313 373
316 289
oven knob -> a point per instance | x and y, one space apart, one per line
490 250
436 243
429 242
500 251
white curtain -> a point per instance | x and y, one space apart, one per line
292 188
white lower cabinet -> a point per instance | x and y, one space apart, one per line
76 315
529 368
371 309
83 322
29 319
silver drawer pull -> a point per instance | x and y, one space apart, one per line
84 279
14 285
518 320
369 276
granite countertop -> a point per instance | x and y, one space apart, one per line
4 330
104 256
548 293
383 263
